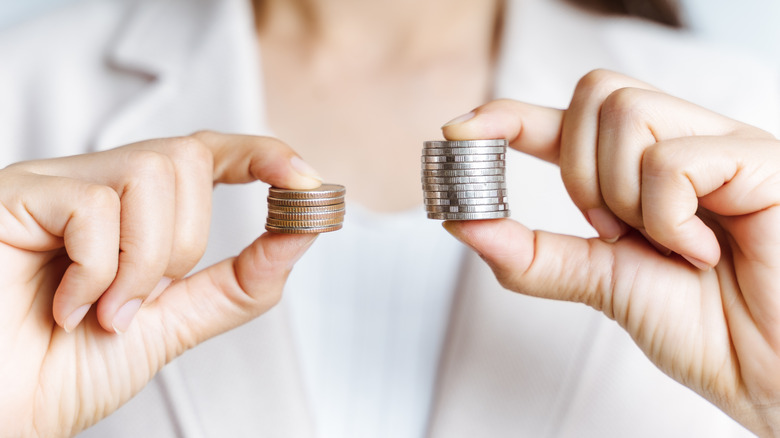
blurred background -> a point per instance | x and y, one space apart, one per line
746 25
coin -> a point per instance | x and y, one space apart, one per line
305 202
323 191
462 158
465 143
302 230
464 194
283 215
463 179
303 224
465 208
306 209
464 165
463 172
464 151
469 216
466 201
463 187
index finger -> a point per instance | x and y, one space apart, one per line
241 159
532 129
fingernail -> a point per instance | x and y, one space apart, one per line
696 262
72 321
605 223
451 228
302 249
460 119
124 316
304 168
158 290
660 248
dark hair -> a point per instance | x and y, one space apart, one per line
662 11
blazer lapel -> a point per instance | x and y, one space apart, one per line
203 73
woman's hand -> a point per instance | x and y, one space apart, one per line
96 244
687 205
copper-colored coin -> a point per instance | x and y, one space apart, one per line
303 224
306 209
298 230
305 202
323 191
305 216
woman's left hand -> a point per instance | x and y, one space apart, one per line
687 205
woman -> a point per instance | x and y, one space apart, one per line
365 343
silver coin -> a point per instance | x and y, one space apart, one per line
323 191
464 143
465 208
463 151
469 216
463 172
463 179
463 187
466 201
463 158
466 194
465 165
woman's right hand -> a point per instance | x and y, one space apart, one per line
94 250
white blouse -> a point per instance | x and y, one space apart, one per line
369 345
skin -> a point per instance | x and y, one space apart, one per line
688 256
63 221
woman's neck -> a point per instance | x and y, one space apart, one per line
381 31
355 86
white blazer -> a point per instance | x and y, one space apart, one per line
105 73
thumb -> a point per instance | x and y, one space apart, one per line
539 263
229 293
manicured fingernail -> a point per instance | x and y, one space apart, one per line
124 316
304 168
72 321
605 223
158 290
460 119
660 248
304 246
698 263
451 228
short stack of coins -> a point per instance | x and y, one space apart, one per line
312 211
465 180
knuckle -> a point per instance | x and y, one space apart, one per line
103 200
659 160
624 105
191 148
599 82
148 164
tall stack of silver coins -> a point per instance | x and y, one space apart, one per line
312 211
465 180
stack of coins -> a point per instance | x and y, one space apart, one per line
465 180
317 210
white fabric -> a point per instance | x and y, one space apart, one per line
105 73
369 346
